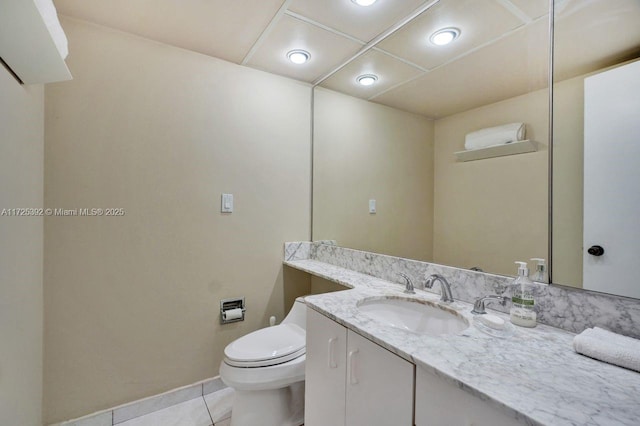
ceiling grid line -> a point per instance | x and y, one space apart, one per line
266 32
322 26
379 38
515 10
395 86
398 58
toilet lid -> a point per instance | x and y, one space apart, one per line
268 346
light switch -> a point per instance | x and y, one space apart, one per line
372 206
227 203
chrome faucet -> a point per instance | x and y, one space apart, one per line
478 306
409 284
444 286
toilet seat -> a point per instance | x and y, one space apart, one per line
267 346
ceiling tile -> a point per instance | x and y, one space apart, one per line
363 23
592 35
512 66
479 21
220 28
390 72
327 50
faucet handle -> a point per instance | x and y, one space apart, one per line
409 289
478 306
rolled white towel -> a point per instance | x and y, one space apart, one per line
609 347
491 136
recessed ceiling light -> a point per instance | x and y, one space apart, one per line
298 56
444 36
367 79
364 2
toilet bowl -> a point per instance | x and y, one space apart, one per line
266 369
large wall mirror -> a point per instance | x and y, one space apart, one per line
398 151
386 176
596 123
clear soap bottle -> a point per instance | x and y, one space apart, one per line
523 302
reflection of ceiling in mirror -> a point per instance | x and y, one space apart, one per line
501 52
608 30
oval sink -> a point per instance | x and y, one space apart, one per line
418 316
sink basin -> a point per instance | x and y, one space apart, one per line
418 316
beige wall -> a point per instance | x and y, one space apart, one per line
132 302
492 212
21 177
368 151
320 285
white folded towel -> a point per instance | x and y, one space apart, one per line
491 136
609 347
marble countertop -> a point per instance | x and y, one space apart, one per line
535 375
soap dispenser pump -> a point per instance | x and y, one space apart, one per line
523 302
540 275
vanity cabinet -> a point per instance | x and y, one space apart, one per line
353 381
325 371
440 403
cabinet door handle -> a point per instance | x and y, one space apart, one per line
331 361
352 367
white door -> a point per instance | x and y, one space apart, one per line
325 371
379 385
612 181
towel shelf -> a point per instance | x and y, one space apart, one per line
512 148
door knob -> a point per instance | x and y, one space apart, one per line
595 251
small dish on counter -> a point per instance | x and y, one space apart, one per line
488 325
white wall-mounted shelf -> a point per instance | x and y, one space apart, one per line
26 45
520 147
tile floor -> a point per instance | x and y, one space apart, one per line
211 409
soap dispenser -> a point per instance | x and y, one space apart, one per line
522 310
541 271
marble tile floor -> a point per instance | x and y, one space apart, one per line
211 409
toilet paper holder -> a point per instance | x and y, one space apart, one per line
232 310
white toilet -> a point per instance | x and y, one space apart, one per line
266 369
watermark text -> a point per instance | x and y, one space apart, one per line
87 211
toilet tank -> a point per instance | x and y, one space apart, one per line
298 314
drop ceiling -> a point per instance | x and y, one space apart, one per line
502 50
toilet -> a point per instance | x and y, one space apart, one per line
266 369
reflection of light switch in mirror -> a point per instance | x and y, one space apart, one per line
372 206
227 203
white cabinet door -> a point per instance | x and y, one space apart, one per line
379 385
440 403
611 177
325 371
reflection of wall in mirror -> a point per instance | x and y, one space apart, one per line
366 151
492 212
568 101
363 150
